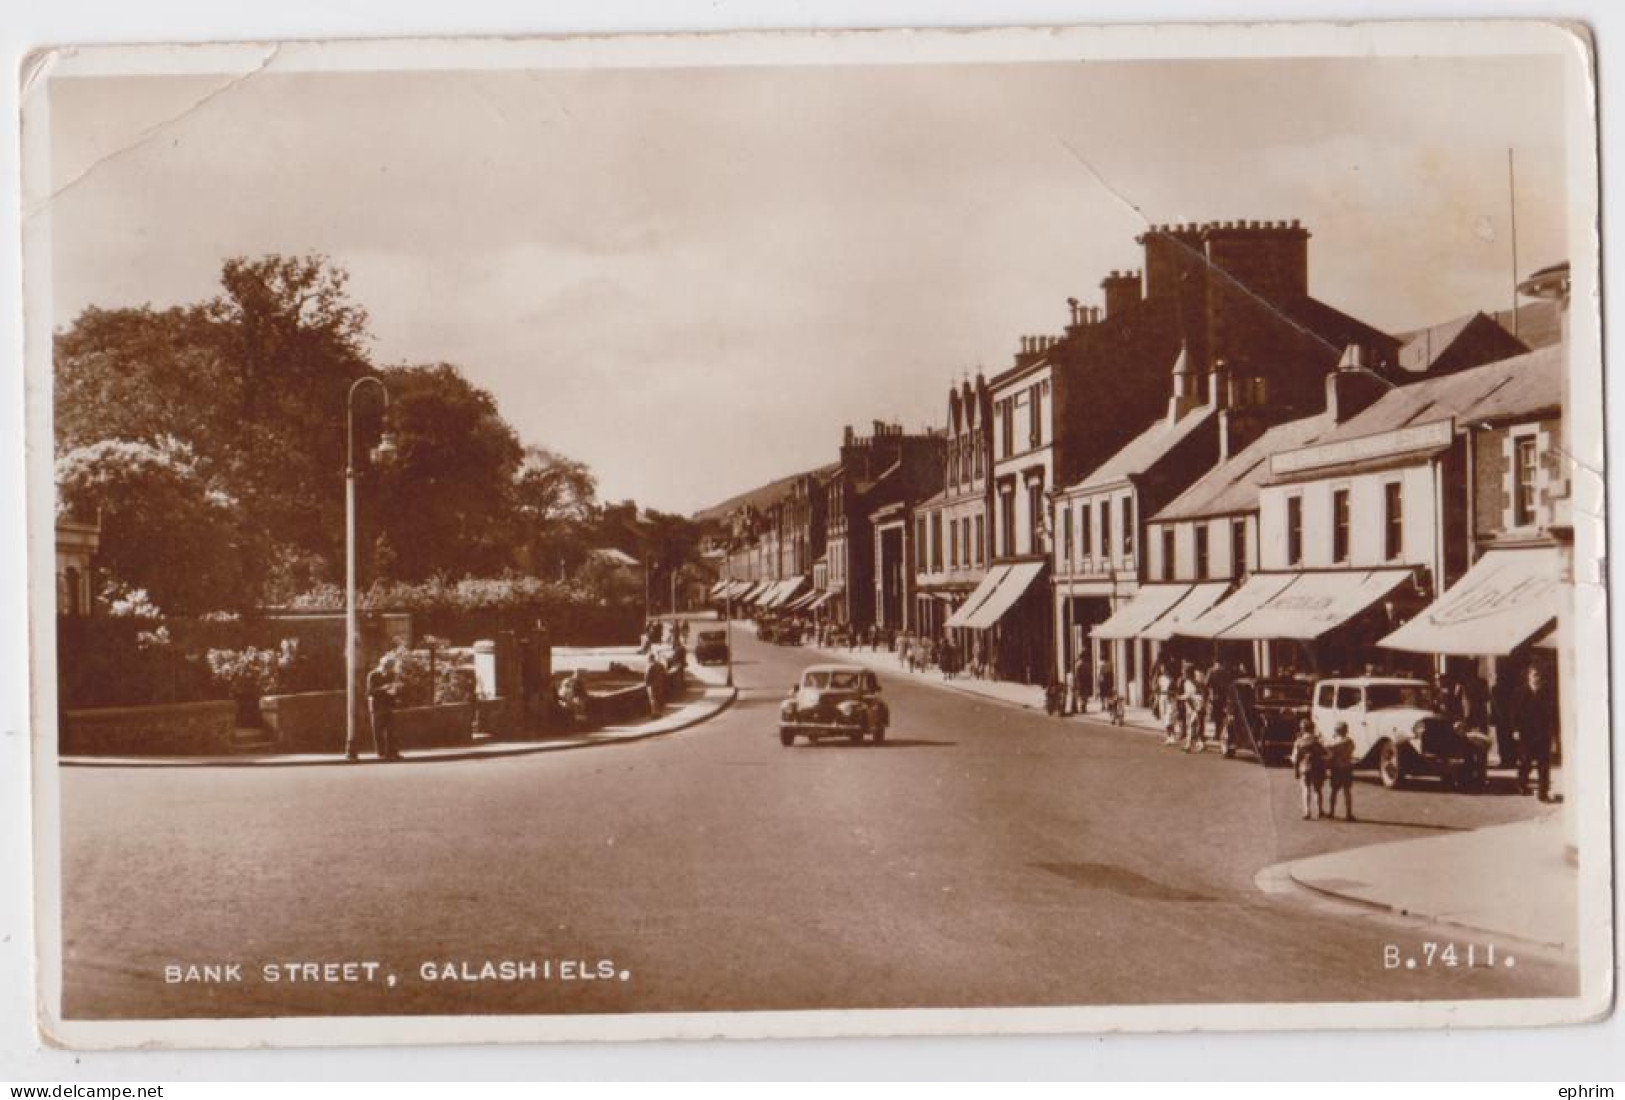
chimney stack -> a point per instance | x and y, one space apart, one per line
1122 290
1352 387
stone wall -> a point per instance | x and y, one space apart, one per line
173 729
314 722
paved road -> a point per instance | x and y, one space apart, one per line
982 856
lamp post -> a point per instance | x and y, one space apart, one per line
728 611
351 633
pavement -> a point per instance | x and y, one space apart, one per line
982 855
705 697
1510 881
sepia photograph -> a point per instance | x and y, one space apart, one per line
817 534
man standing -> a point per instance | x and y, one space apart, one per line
654 683
1535 719
381 689
1082 685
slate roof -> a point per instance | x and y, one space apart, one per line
1232 486
1519 386
1146 449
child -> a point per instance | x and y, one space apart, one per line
1340 765
1309 766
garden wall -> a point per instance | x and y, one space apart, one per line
314 722
173 729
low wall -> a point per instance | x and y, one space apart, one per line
172 729
434 727
314 722
498 718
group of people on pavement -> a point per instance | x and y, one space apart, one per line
1192 703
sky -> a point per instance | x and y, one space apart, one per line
691 279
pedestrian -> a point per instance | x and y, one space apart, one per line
1309 768
1340 768
1193 698
1535 713
1167 708
905 652
382 688
1106 684
1082 683
654 684
948 658
1218 702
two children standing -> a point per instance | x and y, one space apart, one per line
1314 760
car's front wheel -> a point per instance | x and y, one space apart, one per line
787 736
1390 765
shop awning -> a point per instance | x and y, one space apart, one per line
1197 602
755 592
1146 606
824 597
1508 598
1260 588
803 601
978 596
786 591
1016 580
1314 604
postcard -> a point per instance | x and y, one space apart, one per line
806 534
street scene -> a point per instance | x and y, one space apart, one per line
635 539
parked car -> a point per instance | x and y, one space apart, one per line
834 701
1396 727
1262 717
711 647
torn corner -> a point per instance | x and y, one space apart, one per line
36 66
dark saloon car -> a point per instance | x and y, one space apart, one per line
834 701
1262 717
711 647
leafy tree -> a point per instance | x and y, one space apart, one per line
555 503
445 495
671 545
163 529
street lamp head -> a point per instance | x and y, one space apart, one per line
384 451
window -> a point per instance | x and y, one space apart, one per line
980 545
1348 697
1105 528
1524 466
1086 541
1007 521
919 545
953 543
1066 534
1340 525
1324 695
1393 520
976 457
1007 427
1168 553
1238 547
1128 526
1294 530
1035 516
936 542
1035 417
1201 551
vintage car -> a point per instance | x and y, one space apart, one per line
1397 728
711 647
1262 717
834 701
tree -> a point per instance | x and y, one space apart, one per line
555 502
671 544
445 502
163 529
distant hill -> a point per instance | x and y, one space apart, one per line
761 496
